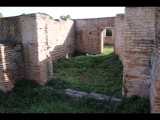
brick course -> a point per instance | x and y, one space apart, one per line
29 43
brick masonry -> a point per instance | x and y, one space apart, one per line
89 33
109 39
139 35
42 39
119 36
45 40
12 65
137 44
29 43
155 71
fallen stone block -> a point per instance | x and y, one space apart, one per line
76 92
73 95
96 96
113 99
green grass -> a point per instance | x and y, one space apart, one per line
86 73
100 73
29 97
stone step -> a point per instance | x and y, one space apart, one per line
80 94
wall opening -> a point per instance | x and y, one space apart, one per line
101 41
107 37
108 32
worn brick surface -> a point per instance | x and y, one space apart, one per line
119 36
29 43
11 65
89 32
155 71
44 40
109 39
139 36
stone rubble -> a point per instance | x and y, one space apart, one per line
79 94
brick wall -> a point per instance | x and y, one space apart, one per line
139 36
119 36
89 33
43 40
61 36
11 53
29 43
109 39
155 71
10 30
11 65
119 42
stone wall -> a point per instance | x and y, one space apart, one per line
139 36
89 34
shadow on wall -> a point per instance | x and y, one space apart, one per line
12 65
42 39
65 46
11 56
54 39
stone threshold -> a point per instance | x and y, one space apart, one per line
80 94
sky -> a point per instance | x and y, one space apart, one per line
56 12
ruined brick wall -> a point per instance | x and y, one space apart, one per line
11 65
55 39
155 71
61 34
30 46
10 30
57 36
11 53
109 39
139 36
89 33
29 43
119 36
42 39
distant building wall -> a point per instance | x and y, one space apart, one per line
109 39
89 33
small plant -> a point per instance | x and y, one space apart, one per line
46 14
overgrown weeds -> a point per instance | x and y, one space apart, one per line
100 73
90 73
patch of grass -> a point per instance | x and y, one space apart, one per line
29 97
91 73
134 104
100 73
